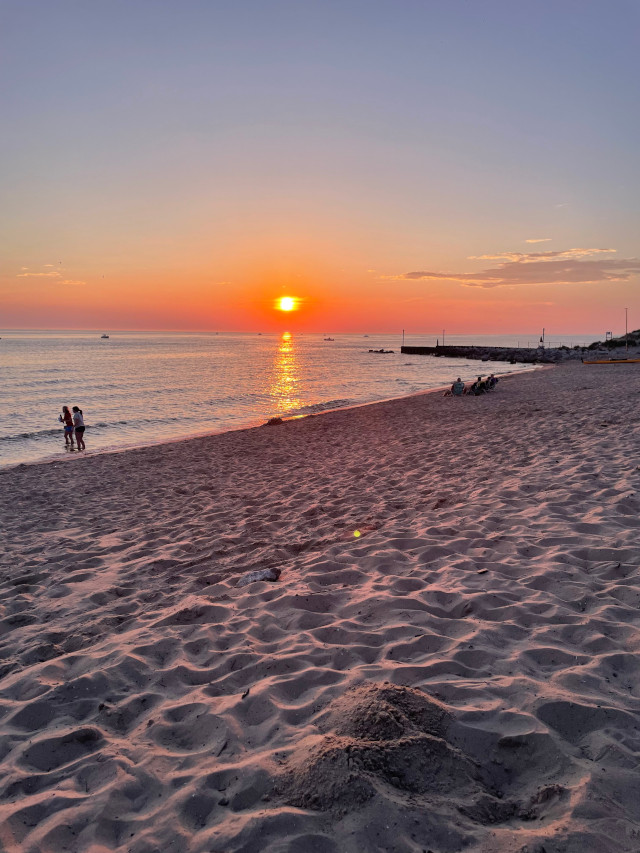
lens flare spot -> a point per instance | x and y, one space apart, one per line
357 533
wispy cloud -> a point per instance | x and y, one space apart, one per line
39 275
540 257
571 266
539 240
75 283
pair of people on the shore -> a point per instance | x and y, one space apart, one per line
73 423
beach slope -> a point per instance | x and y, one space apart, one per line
448 660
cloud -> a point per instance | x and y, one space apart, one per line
539 240
537 257
49 265
69 281
38 275
572 266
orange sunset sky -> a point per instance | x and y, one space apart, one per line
388 165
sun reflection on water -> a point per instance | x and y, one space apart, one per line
285 377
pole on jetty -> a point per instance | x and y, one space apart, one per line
403 337
626 330
443 337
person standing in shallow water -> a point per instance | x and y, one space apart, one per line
67 420
78 422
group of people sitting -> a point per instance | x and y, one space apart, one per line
480 386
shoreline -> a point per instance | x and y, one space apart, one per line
448 660
67 458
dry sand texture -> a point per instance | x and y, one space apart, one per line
462 676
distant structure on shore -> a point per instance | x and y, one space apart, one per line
526 355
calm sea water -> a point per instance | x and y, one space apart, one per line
139 388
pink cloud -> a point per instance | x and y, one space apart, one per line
563 267
38 275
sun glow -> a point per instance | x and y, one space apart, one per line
286 303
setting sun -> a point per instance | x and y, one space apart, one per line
286 303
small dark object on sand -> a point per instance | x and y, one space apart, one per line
274 421
261 575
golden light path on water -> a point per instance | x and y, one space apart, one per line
286 376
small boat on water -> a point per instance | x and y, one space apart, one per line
611 360
104 336
329 339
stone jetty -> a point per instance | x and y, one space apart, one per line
514 355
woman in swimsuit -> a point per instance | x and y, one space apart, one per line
78 422
67 420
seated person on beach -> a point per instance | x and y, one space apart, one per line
478 387
457 389
491 383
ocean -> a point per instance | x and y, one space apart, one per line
140 388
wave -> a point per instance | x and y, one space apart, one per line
41 433
320 407
53 431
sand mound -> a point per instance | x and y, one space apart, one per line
399 748
384 736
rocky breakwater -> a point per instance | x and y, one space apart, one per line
514 355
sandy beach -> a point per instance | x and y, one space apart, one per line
447 662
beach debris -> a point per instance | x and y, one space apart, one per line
260 575
246 693
274 421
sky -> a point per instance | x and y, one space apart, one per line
419 164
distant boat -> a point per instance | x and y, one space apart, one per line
329 339
104 336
